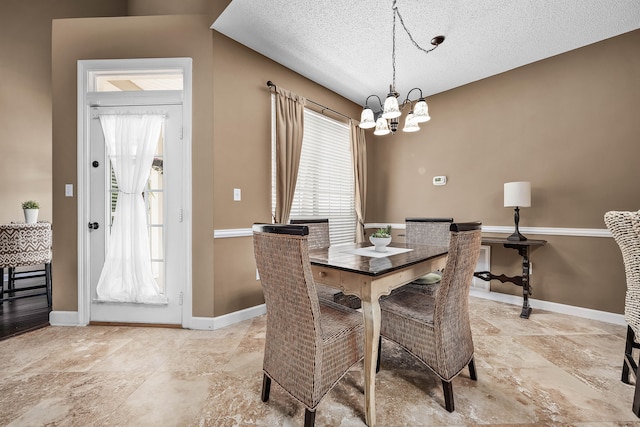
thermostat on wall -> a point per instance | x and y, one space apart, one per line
439 180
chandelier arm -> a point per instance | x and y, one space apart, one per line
366 103
409 93
408 33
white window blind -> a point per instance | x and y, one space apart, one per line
325 186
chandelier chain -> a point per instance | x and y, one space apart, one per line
393 52
415 43
387 120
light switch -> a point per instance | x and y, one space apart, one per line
237 194
68 190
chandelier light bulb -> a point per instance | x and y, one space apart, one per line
421 111
366 119
410 123
391 109
382 127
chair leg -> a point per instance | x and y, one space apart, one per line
636 400
379 354
629 365
447 388
472 370
47 272
309 418
266 387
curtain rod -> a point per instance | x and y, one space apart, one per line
271 84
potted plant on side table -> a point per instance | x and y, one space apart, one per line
30 209
381 238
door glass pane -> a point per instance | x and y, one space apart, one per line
154 202
154 196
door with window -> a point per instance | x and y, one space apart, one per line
136 213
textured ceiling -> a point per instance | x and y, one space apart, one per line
346 46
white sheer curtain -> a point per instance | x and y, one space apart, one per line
127 276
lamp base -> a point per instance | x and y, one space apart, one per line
516 236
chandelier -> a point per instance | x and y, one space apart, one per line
388 120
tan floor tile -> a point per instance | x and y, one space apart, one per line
549 370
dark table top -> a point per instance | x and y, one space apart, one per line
342 258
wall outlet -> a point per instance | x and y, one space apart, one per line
68 190
237 194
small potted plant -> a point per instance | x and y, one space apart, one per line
30 209
381 238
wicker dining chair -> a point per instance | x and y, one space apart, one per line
309 344
428 231
625 228
436 328
319 237
25 245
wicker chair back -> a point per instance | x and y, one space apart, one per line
309 345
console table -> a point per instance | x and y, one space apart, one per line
523 247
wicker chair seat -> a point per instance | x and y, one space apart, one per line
405 304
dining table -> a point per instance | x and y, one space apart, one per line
358 269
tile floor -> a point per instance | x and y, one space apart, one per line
552 369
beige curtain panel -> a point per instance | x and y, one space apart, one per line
359 153
289 132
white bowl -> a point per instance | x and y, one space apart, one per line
380 243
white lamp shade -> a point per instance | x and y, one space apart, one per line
517 194
391 109
410 124
366 119
421 111
382 127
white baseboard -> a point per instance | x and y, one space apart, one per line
587 313
212 323
71 318
238 316
64 318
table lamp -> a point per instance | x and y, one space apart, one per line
517 195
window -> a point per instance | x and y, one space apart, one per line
325 185
137 80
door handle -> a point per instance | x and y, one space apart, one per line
94 225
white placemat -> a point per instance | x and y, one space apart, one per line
370 251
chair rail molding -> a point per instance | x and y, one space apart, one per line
506 229
232 232
547 231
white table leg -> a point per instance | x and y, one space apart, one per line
371 312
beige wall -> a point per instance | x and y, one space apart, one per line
568 124
25 100
242 159
131 37
229 150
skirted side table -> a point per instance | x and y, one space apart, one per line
25 245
